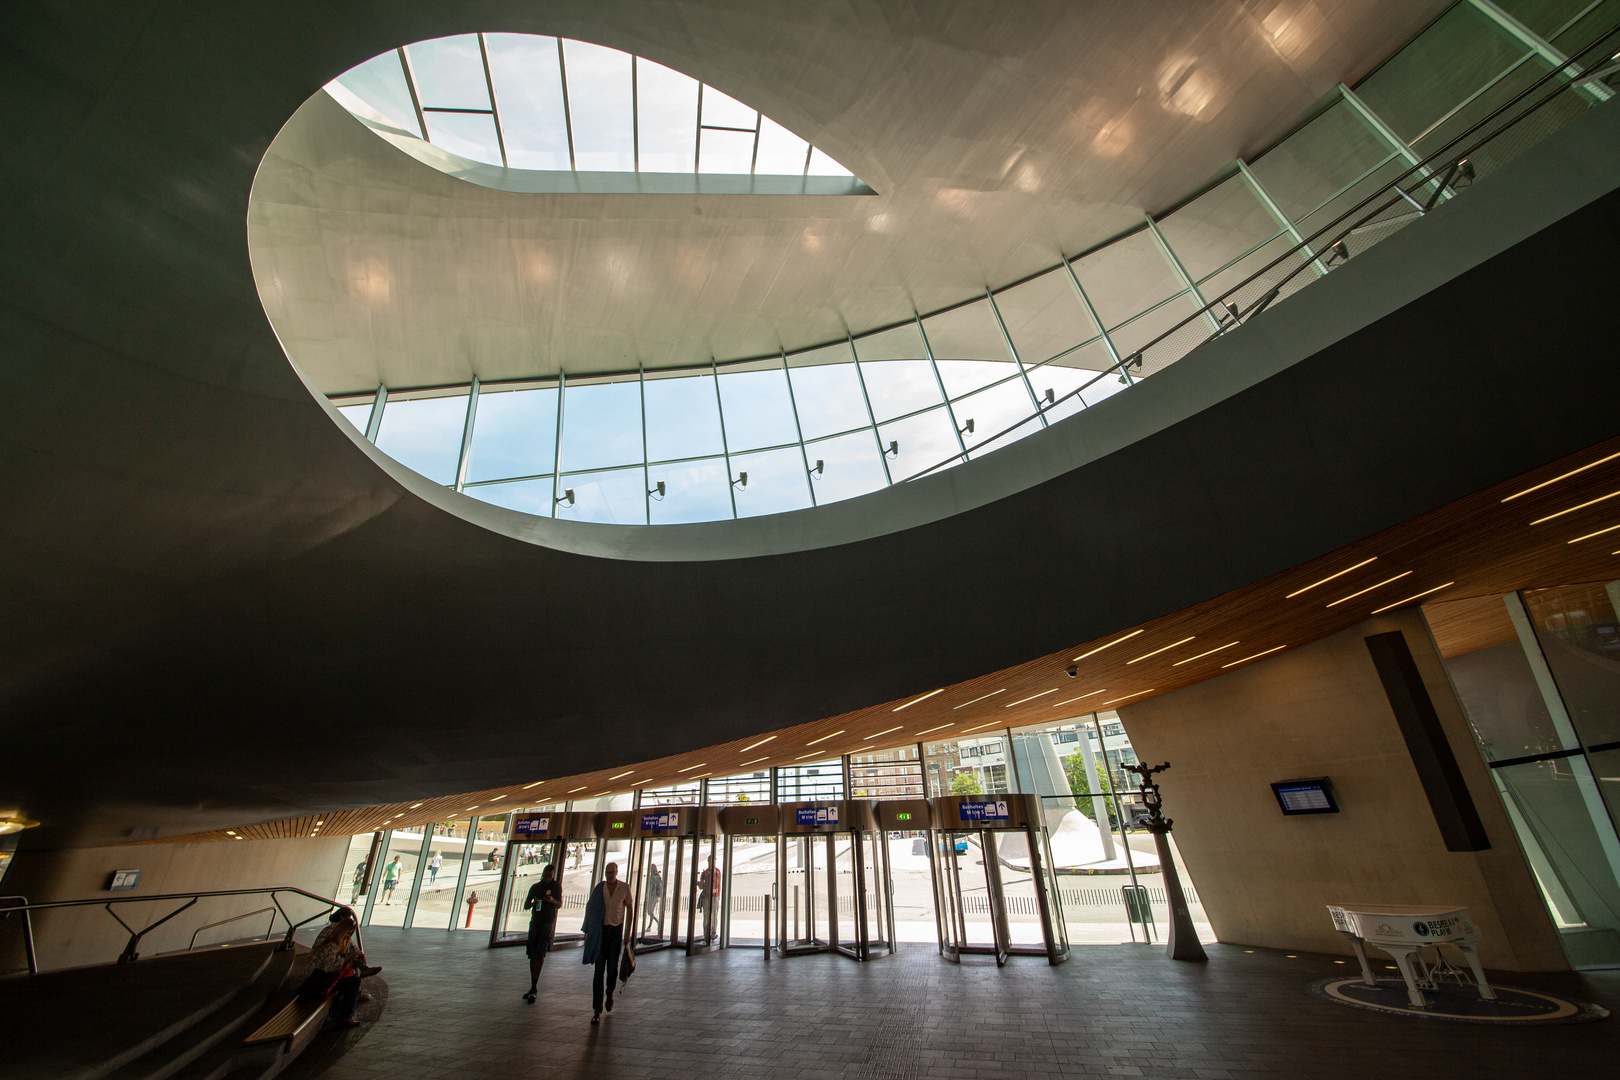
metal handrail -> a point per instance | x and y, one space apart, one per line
131 953
234 918
1228 316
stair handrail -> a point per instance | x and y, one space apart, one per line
234 918
131 950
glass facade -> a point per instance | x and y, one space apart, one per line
767 435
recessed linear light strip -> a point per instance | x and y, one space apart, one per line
570 791
980 698
627 772
1330 577
1031 697
1201 655
1082 697
1369 589
1565 476
886 731
824 738
756 761
1413 597
1166 648
914 701
1128 697
1111 644
981 727
942 727
801 757
761 742
689 768
1256 656
1582 506
1589 535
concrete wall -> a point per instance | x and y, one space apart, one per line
1320 710
88 935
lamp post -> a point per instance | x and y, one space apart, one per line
1182 941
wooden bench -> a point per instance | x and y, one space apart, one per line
294 1019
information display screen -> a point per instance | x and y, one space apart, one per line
1311 795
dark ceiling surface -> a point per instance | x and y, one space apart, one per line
214 606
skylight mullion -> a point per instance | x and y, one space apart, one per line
635 128
754 160
697 146
410 84
568 110
494 108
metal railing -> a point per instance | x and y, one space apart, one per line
19 905
1414 192
235 918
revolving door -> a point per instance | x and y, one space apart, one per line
748 883
995 890
673 870
822 844
564 840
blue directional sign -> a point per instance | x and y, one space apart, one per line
993 810
818 815
650 822
532 826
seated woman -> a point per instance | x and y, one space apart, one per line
337 966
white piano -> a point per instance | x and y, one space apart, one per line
1403 931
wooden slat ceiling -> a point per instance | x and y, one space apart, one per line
1547 527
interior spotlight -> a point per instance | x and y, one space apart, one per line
1339 251
1071 671
967 429
657 492
566 497
1464 175
1051 397
742 480
894 449
820 468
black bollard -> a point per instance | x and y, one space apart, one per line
1182 941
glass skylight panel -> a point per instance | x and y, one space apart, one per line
851 467
827 391
722 151
601 424
357 415
380 83
757 408
527 496
666 110
600 103
425 435
777 481
449 73
899 378
606 498
925 440
693 491
781 153
471 135
992 410
528 90
722 110
822 165
968 347
683 417
1044 316
515 434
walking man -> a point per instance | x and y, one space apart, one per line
606 914
391 874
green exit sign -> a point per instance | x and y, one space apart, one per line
616 825
751 821
902 817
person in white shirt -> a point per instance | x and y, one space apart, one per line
433 868
606 915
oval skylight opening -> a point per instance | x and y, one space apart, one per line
522 112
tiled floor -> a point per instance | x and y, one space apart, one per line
454 1012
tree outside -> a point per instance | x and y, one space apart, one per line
1081 784
965 784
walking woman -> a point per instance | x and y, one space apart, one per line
545 897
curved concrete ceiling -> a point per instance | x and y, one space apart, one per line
997 137
215 606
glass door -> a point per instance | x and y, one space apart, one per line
658 891
577 872
528 860
703 915
871 903
809 897
948 920
748 880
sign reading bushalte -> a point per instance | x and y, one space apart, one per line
995 810
659 821
532 825
818 815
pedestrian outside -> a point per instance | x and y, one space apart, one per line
391 874
433 868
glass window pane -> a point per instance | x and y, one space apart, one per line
850 467
425 435
1317 161
380 83
601 424
357 415
514 434
394 878
1126 278
528 89
827 391
439 876
1217 227
1164 320
999 407
599 102
449 73
776 482
484 876
781 153
1574 38
1544 17
683 417
693 491
725 151
1580 636
757 409
968 346
899 378
1044 316
527 496
1063 378
666 109
722 110
822 165
607 498
472 135
925 440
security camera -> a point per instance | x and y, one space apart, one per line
1071 671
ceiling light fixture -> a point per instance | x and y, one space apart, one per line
1166 648
886 731
599 794
862 749
801 757
413 806
1565 476
1414 596
1111 644
914 701
1589 535
942 727
571 790
981 727
756 761
689 768
824 738
1582 506
1246 659
537 783
761 742
1330 577
497 798
1201 655
1370 588
626 772
980 698
1031 697
1070 701
1128 697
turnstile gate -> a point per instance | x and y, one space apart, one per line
566 840
820 841
995 891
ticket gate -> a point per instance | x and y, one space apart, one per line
566 840
817 839
995 891
673 874
748 881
